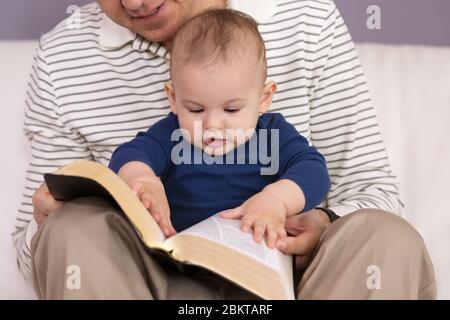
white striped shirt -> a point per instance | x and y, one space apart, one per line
94 87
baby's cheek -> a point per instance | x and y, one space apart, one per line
190 135
196 132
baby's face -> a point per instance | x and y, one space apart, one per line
219 104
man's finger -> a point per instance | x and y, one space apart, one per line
50 208
53 205
293 222
300 245
292 232
39 218
281 232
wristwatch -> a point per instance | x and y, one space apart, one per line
330 213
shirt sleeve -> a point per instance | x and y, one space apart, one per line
152 147
52 143
344 126
301 163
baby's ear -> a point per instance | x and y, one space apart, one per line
267 95
168 88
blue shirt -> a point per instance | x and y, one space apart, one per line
196 191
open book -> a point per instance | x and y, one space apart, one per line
215 244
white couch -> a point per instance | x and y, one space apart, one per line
410 87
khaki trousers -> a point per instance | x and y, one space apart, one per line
87 250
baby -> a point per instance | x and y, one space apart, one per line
206 155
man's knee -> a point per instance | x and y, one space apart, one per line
378 222
78 218
383 230
376 245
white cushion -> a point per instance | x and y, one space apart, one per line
410 89
15 63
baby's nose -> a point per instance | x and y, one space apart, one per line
212 122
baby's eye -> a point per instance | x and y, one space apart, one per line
196 110
231 110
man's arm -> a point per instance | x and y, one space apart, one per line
344 127
52 144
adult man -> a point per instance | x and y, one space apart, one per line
94 87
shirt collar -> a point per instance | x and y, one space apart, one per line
112 35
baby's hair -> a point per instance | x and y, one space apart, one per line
216 35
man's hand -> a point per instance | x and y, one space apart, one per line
264 214
304 232
153 197
44 204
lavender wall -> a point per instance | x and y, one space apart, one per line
402 21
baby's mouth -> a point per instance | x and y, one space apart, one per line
214 142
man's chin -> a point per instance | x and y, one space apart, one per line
161 32
153 35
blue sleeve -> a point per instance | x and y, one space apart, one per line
152 147
301 163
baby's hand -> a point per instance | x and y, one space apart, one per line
153 197
264 214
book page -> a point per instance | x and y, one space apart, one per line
219 245
227 232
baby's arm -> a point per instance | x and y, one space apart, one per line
288 193
303 183
150 191
141 161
